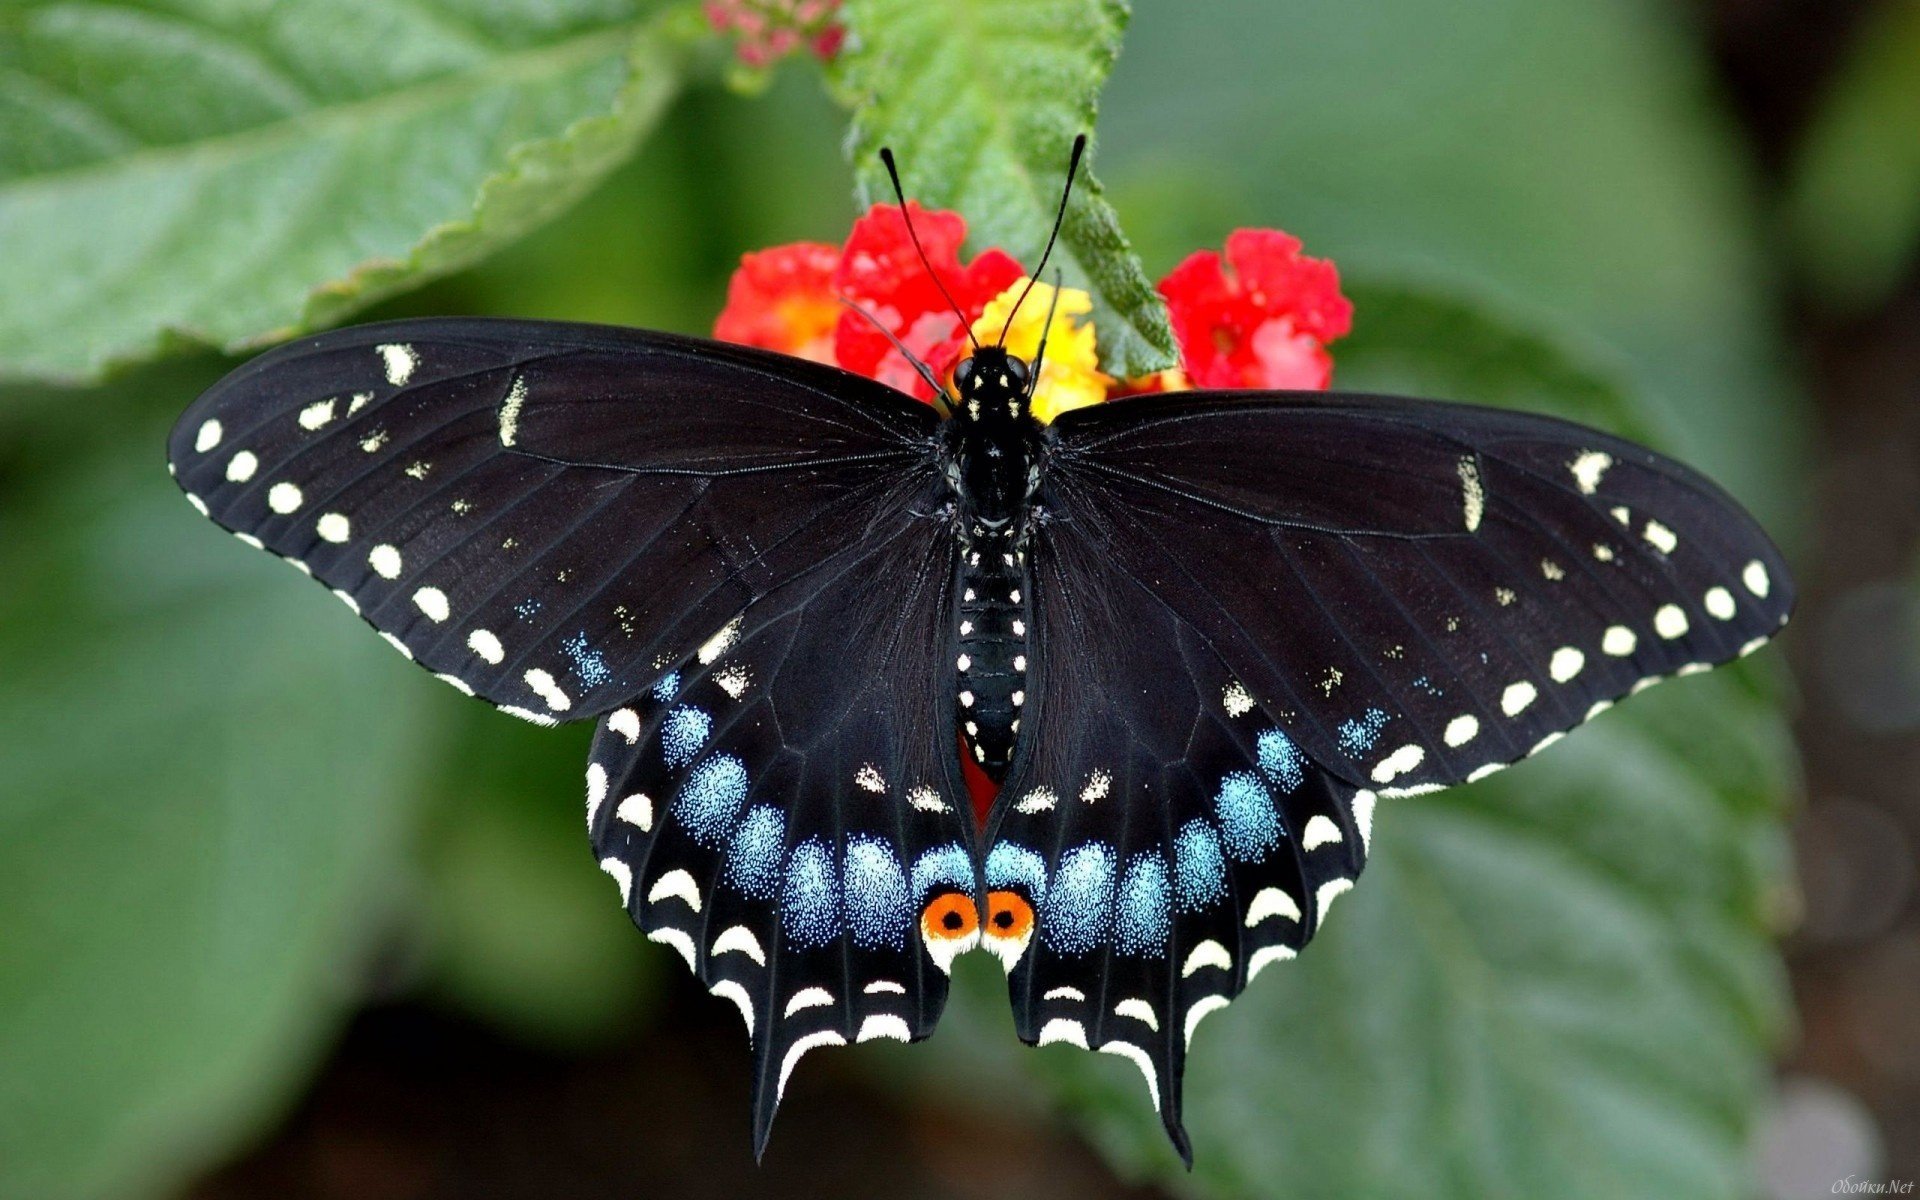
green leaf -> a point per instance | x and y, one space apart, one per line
232 176
1562 161
1854 197
980 101
198 833
1559 981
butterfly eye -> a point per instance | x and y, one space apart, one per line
1017 369
963 373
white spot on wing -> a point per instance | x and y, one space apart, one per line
1260 959
1394 765
283 497
315 416
241 466
487 646
397 644
1517 697
731 990
209 435
433 602
720 642
1062 1029
1039 800
926 799
1669 622
1201 1008
734 679
825 1037
1660 537
1320 831
626 723
1363 803
333 527
1755 577
1618 641
1719 604
1473 497
1588 469
543 686
456 682
1207 954
1065 993
1139 1058
622 874
400 361
1271 902
1238 700
675 884
884 1025
738 939
596 791
1330 891
1462 729
1140 1011
678 939
1565 664
385 561
637 811
879 986
869 777
1099 783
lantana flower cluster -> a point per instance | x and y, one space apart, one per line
1260 317
765 31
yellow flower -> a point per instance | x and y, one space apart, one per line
1070 377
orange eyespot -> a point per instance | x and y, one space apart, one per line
950 917
1009 916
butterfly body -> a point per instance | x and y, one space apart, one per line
994 454
1205 635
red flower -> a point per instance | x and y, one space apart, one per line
768 30
880 271
783 299
1267 324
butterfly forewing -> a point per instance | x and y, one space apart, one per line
1428 616
541 513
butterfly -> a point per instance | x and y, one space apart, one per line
1195 638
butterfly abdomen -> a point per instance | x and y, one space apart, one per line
993 651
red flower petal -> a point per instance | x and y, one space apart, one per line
1266 324
880 271
782 298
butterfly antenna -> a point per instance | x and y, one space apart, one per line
926 372
1073 165
1040 355
893 173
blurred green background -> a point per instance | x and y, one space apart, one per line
279 915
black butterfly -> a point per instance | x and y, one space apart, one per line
1197 637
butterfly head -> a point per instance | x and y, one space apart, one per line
991 386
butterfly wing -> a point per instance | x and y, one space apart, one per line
540 513
786 810
734 556
1253 616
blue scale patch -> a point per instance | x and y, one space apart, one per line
810 902
942 867
1249 824
527 608
667 687
683 733
1079 905
1199 871
753 858
1359 736
1145 908
877 909
1011 863
589 664
710 798
1280 760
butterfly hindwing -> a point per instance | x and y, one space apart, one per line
536 512
1169 839
785 809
